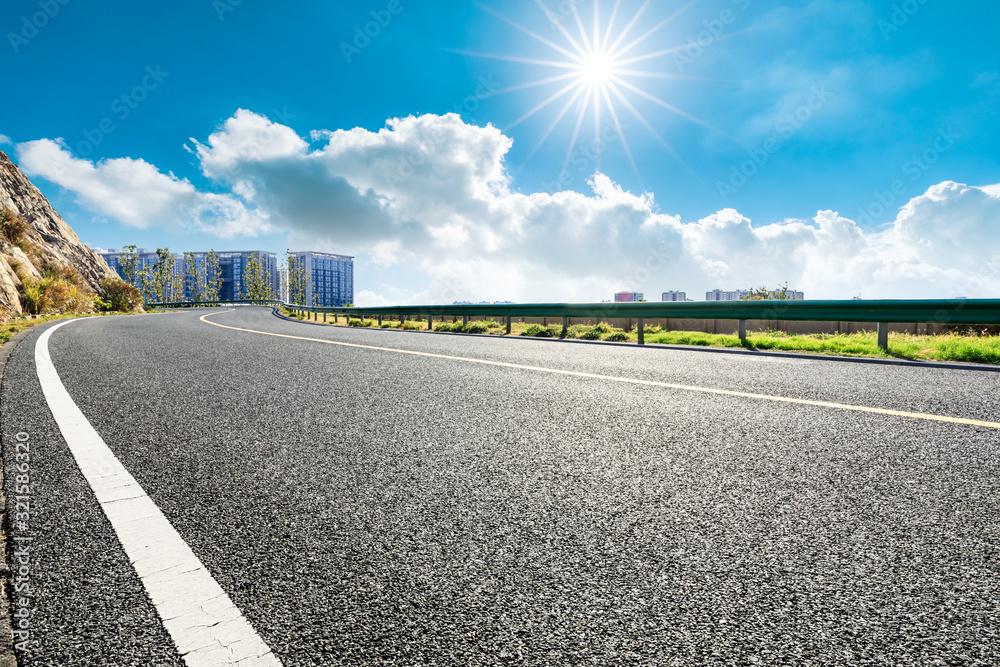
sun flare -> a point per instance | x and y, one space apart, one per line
597 69
595 73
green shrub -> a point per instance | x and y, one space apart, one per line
603 328
13 227
617 337
412 325
52 296
355 323
121 297
477 328
538 331
451 327
593 334
385 325
61 290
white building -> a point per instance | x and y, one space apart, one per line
722 295
738 295
674 295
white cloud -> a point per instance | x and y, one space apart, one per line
427 204
4 140
369 299
135 193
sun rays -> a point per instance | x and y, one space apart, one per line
595 71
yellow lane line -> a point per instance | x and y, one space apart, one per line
645 383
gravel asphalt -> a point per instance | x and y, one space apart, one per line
364 507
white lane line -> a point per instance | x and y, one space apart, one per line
208 629
625 380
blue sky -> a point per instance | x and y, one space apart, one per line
786 109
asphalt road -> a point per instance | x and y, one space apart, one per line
365 507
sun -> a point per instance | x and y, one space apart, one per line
597 69
595 73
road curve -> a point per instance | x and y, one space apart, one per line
371 506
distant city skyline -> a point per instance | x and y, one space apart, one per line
328 278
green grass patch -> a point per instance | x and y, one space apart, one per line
947 347
538 331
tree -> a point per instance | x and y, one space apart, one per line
128 265
256 281
194 278
159 281
177 292
213 277
298 280
767 294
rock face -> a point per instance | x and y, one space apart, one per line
57 241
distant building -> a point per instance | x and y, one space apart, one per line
675 296
722 295
629 297
147 260
738 295
329 278
232 265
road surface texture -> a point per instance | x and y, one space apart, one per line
368 507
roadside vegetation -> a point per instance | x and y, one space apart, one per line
11 327
50 290
968 345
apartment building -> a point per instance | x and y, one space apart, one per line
329 278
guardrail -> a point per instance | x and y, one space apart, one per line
884 313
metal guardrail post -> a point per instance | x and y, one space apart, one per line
430 322
508 325
324 318
642 331
465 320
380 321
565 329
743 331
883 335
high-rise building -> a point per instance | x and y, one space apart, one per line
674 295
329 278
147 262
629 297
232 265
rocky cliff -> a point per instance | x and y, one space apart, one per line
54 242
